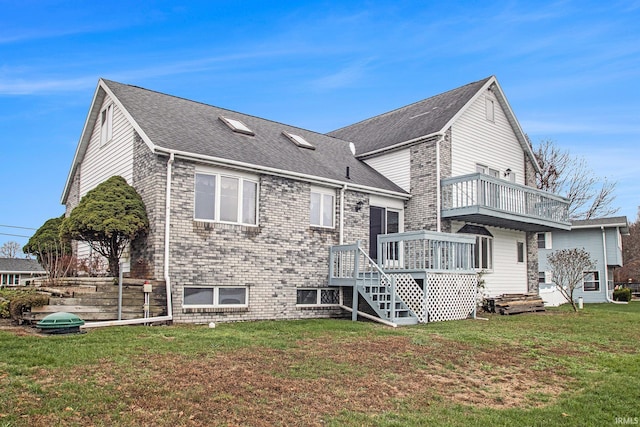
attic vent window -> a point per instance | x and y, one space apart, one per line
237 126
299 141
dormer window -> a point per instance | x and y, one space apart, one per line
237 126
299 141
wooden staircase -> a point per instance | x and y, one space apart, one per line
95 299
387 306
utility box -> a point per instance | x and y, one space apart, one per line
147 288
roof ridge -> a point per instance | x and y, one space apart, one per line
287 126
395 110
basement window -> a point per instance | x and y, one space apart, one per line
317 297
237 126
299 141
214 296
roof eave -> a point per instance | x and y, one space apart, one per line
219 161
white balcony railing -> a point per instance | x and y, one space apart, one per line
484 191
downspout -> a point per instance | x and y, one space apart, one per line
167 281
167 234
438 196
606 268
342 191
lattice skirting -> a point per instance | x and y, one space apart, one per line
450 296
410 292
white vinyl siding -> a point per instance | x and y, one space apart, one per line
475 140
102 161
508 276
395 167
115 158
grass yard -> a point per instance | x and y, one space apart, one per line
555 368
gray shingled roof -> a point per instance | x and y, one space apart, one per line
183 125
615 221
20 265
422 118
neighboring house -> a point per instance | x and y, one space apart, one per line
253 219
602 239
16 271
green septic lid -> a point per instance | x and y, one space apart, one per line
60 320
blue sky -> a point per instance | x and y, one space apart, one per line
570 69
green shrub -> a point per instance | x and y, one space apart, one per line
4 308
622 294
14 301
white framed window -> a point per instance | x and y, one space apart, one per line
106 125
490 106
487 170
215 296
483 253
520 252
544 240
591 281
542 278
224 197
317 296
10 279
322 207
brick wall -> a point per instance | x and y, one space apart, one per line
273 259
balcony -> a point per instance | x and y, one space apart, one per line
486 200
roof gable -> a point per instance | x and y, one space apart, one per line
171 124
421 119
427 118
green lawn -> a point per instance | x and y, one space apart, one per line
554 368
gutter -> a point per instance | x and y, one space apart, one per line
419 139
167 279
438 186
218 161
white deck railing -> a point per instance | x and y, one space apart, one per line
426 250
481 190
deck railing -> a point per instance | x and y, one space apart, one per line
426 250
481 190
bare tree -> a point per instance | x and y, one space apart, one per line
10 250
568 267
589 195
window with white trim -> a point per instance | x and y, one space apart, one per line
215 296
317 297
544 240
106 124
487 170
322 207
490 105
10 279
520 251
226 198
483 253
591 281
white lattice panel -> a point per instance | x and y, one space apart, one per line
451 296
410 292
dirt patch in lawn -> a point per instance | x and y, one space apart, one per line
304 384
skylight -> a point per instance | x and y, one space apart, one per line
237 126
299 141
